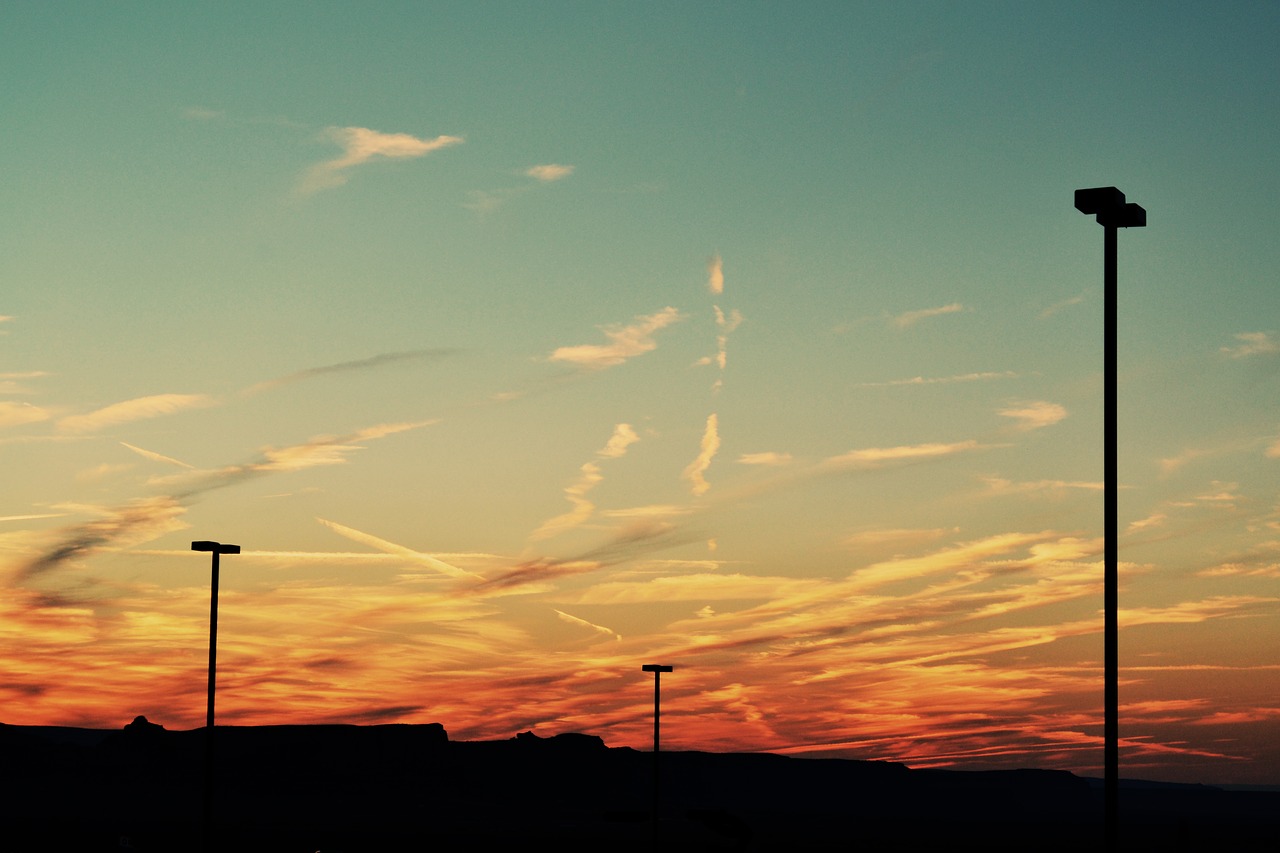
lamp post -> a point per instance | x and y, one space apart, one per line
657 669
217 549
1112 212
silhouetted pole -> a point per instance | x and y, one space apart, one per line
1108 204
217 548
657 669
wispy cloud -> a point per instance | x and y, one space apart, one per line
600 629
623 437
413 556
1059 306
133 523
625 342
360 145
768 458
910 318
137 409
582 509
726 324
696 470
32 517
694 587
942 380
549 172
1001 486
17 414
1225 570
1034 415
141 520
1156 519
874 457
1251 344
11 383
715 275
156 457
897 537
353 366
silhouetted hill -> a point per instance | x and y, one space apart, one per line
408 787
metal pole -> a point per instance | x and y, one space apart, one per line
657 669
1111 575
1108 205
657 705
208 719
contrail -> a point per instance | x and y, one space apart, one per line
349 367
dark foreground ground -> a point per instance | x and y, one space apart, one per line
368 789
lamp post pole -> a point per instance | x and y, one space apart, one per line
217 549
1112 213
657 669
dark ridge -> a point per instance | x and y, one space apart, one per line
408 787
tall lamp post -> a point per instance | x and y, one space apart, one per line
217 549
657 669
1112 212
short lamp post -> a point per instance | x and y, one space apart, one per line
217 549
657 669
1112 212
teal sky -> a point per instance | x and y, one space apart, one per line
521 344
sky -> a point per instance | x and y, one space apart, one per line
520 345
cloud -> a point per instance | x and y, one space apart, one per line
576 495
410 554
351 367
143 519
574 620
156 457
1001 486
1035 415
202 114
910 318
942 380
1156 519
726 324
625 342
1172 464
715 275
360 145
875 457
897 537
136 522
769 458
1268 570
1273 450
549 172
100 472
10 384
695 587
137 409
623 437
696 470
326 450
17 414
1058 306
1252 343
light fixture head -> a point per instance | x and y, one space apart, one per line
1125 216
216 547
657 667
1098 199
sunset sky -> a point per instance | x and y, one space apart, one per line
522 344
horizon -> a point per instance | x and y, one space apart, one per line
516 347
